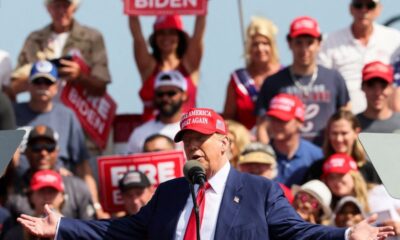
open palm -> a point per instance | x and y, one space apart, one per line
41 227
364 231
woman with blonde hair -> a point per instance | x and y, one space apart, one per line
341 175
262 60
341 135
239 137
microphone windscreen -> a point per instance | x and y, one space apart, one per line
191 167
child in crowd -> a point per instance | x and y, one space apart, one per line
348 212
46 187
312 202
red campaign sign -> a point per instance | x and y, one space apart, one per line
158 166
165 7
96 114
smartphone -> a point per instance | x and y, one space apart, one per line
57 63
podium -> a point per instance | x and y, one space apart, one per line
383 149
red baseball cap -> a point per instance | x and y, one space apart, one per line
339 163
168 22
304 26
286 107
378 70
202 120
47 178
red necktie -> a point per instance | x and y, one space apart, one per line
190 233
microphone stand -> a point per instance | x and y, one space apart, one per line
196 210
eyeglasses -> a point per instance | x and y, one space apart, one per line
38 147
161 94
44 81
360 5
304 197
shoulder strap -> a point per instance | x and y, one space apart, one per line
247 82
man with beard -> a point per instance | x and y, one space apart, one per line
169 94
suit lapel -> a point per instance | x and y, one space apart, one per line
176 205
230 204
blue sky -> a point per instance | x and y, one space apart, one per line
223 47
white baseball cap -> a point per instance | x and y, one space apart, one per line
171 78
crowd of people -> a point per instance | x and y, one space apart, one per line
296 125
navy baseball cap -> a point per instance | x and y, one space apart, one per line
43 69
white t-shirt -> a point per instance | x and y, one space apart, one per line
57 42
341 51
139 135
5 68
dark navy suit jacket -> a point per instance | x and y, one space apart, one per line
262 212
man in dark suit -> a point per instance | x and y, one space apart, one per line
237 205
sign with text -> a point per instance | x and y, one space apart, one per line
96 114
165 7
158 167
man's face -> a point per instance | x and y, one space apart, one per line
42 154
136 198
62 13
209 150
377 92
42 90
283 130
304 50
168 100
365 12
157 144
47 195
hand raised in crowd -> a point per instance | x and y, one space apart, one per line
70 70
364 231
41 227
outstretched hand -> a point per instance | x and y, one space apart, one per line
364 231
41 227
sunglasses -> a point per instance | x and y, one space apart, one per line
38 147
304 197
360 5
42 81
161 94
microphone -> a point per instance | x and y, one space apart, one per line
194 172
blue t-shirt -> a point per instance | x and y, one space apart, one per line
292 171
62 120
327 95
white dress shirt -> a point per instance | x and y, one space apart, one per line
213 199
